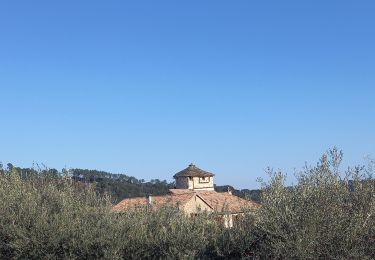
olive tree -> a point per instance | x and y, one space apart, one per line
327 214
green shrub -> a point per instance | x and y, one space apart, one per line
328 214
44 218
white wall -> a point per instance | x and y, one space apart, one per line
195 183
203 185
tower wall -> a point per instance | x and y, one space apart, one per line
203 184
195 183
184 183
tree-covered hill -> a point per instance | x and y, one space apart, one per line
120 186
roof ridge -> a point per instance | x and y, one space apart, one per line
204 201
193 171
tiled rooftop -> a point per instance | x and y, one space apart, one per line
157 201
224 201
218 201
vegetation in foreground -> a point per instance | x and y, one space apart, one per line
328 214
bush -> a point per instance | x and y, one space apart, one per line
328 214
48 218
44 217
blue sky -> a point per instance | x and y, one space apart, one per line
146 87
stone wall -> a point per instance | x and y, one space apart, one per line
182 183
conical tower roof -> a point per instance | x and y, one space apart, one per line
193 171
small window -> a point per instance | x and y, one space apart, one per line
204 179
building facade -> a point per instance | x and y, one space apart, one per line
194 194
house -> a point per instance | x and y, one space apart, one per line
194 194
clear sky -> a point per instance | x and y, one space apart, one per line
146 87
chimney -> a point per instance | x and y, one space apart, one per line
229 191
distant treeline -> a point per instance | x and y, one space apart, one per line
120 186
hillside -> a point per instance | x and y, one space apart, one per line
121 186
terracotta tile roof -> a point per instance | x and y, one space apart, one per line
193 171
180 191
157 201
224 201
218 201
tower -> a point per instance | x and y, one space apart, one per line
193 178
